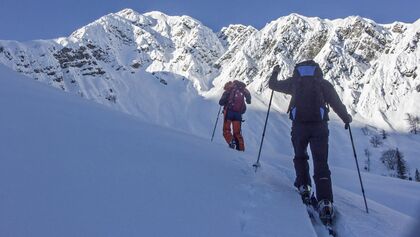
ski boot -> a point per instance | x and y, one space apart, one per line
237 145
232 144
305 193
326 211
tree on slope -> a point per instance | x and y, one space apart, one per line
365 131
376 141
401 165
413 123
367 154
388 159
384 134
417 175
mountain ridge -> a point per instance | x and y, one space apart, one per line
122 50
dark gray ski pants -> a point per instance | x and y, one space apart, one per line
316 135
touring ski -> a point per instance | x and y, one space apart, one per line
311 206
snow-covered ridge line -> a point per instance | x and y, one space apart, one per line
374 67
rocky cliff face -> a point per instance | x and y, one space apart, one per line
135 62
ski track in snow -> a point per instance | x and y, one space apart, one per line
352 219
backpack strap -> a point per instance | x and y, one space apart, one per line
294 89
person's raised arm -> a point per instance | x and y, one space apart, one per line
284 86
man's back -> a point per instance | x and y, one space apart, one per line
329 95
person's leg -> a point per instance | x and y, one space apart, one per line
238 136
227 133
227 127
322 174
300 144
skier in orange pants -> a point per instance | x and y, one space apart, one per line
234 106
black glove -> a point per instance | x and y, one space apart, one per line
348 121
276 69
349 118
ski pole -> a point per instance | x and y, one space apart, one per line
357 165
215 125
257 164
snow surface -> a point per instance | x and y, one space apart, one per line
71 167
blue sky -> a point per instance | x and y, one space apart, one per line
44 19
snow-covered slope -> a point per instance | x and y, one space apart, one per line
70 167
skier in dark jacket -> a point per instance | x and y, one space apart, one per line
308 109
234 106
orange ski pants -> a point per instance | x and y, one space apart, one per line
237 136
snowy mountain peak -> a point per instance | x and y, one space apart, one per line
372 66
157 14
236 34
134 17
128 12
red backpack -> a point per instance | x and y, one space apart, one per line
236 99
